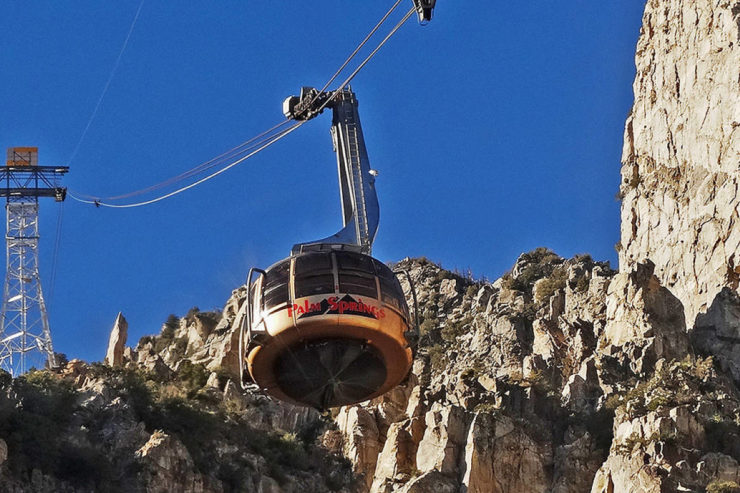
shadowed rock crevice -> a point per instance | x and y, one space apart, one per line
717 332
562 376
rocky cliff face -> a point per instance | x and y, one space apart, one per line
602 384
504 393
94 428
681 163
562 376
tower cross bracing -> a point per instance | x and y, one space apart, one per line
25 336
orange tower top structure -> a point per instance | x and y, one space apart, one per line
22 156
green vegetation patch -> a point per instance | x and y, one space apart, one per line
540 263
720 486
33 409
550 285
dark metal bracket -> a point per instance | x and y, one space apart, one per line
246 325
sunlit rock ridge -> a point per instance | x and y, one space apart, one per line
564 375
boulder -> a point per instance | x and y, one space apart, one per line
361 441
167 465
644 322
431 482
501 458
441 447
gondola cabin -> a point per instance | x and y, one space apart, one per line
329 325
328 328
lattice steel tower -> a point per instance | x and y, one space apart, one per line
25 338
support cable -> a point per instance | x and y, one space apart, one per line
220 159
268 143
107 84
232 152
258 146
359 47
55 254
373 53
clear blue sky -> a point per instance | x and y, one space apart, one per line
496 129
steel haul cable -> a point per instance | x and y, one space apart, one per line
55 254
107 84
220 159
268 143
359 47
244 147
368 58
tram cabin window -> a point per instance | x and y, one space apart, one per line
391 293
352 261
314 274
357 284
276 283
311 285
312 263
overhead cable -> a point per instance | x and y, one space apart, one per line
256 144
372 54
107 84
202 180
55 254
211 163
359 47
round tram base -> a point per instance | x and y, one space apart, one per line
334 362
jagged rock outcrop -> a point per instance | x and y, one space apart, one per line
503 369
644 323
681 157
361 440
562 376
210 338
97 428
167 466
500 456
117 341
717 331
670 427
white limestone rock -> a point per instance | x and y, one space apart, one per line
117 341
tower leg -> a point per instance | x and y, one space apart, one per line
25 337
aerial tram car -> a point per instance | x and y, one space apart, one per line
329 325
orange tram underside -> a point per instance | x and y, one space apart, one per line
348 343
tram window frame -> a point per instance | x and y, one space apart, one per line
386 273
391 293
276 290
348 261
351 282
311 263
324 286
277 296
